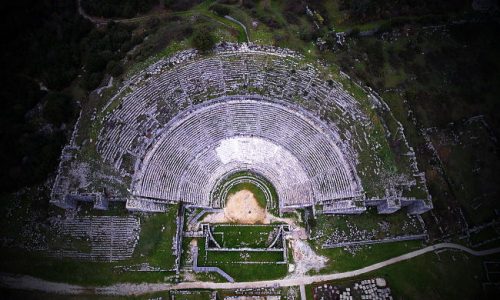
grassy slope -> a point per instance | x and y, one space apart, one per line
156 239
154 248
370 221
341 260
422 80
449 275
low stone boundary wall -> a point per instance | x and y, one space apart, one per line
208 269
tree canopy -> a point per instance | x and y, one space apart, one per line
203 39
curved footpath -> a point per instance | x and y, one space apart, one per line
35 284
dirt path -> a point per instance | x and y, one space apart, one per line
35 284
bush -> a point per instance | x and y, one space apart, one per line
270 22
306 33
117 8
394 59
58 108
181 5
203 39
220 10
291 17
152 24
114 68
96 63
92 80
249 4
228 1
354 32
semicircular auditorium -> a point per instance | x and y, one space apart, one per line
293 152
172 131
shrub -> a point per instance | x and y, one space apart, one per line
203 39
220 10
270 22
249 4
92 80
117 8
114 68
354 32
181 5
58 108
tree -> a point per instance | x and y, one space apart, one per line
220 10
203 39
58 108
114 68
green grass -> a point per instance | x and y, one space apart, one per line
464 163
154 248
252 236
246 272
381 132
192 295
72 271
231 261
156 239
255 272
342 261
397 223
425 86
166 52
450 275
489 233
240 257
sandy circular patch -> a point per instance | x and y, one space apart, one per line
242 207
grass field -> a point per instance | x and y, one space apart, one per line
156 239
255 236
72 271
243 257
154 248
244 265
191 295
341 260
245 272
370 222
243 236
449 275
